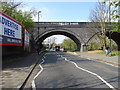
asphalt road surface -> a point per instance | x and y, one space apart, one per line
62 70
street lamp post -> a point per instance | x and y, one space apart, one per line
38 21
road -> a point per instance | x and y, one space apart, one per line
62 70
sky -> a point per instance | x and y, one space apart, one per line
60 11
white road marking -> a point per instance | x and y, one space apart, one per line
33 85
99 61
62 56
110 64
58 54
33 82
110 86
44 57
18 86
39 72
103 62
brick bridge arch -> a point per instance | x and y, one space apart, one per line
65 32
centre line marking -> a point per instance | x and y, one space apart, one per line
110 86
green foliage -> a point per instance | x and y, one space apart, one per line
112 54
115 27
114 46
9 7
115 53
69 44
101 52
94 45
25 18
115 5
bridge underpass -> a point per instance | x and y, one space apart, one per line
79 32
67 33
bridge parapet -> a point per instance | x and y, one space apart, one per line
61 24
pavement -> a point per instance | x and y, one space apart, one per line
15 73
112 60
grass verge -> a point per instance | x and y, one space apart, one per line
114 53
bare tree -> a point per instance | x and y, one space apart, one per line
99 17
50 41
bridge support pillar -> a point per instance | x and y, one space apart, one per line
84 47
78 46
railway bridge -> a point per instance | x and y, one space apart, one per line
79 32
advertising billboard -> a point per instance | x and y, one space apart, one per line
10 31
26 37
